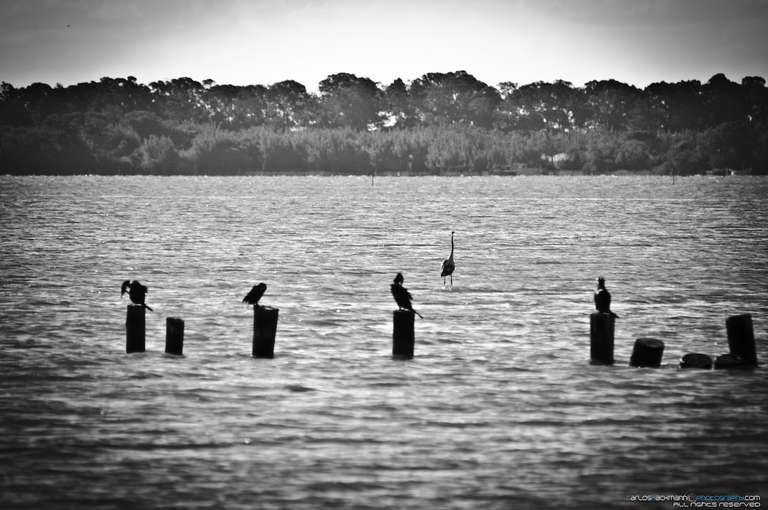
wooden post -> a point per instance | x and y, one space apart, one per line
264 329
731 361
601 327
403 337
741 338
696 360
134 329
647 352
174 335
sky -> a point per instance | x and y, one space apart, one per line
244 42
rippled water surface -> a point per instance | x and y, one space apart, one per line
500 407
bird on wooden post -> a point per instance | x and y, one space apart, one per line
136 292
448 265
401 295
264 323
603 298
252 298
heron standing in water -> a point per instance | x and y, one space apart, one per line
448 265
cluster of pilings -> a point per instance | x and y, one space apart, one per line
135 332
647 352
264 331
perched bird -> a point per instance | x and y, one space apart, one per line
401 295
448 265
252 298
603 298
136 292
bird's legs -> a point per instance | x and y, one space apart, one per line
451 281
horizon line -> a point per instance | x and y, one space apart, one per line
379 83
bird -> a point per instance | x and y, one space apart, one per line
252 298
401 295
603 298
136 292
448 265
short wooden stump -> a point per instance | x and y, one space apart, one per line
741 338
729 361
647 352
696 360
174 336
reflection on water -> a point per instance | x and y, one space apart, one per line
499 408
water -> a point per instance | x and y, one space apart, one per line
499 408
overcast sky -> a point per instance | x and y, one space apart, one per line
257 41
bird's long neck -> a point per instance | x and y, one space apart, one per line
451 246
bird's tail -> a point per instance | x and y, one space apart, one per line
614 315
417 313
147 307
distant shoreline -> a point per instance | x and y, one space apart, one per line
440 124
523 173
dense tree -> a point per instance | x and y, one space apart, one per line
398 109
553 106
614 105
446 99
728 145
288 105
349 101
180 99
723 101
677 106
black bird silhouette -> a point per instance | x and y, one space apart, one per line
603 298
401 295
448 265
136 292
252 298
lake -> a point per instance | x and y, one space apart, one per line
499 408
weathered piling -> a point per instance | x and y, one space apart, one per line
174 335
731 361
601 327
741 338
647 352
134 329
264 329
696 360
403 337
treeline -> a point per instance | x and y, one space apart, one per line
440 123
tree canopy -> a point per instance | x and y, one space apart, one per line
437 123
